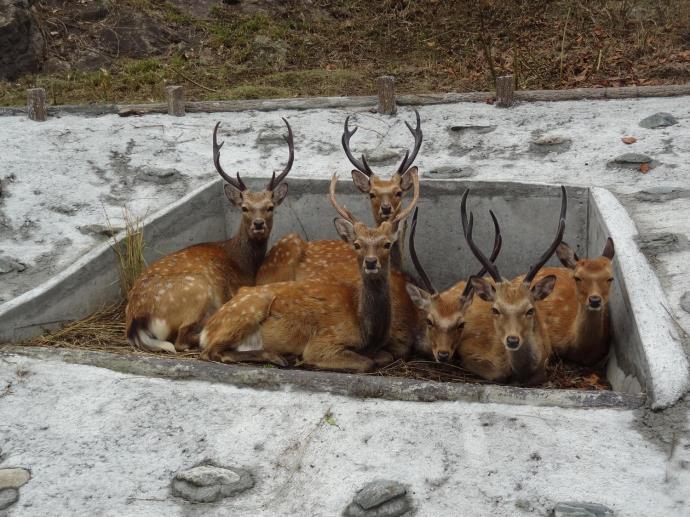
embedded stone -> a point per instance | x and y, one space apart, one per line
578 509
99 230
380 498
208 483
550 143
159 176
472 129
8 264
685 301
8 496
658 120
14 478
633 158
451 171
382 155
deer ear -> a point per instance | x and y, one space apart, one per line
466 301
361 181
483 288
233 194
279 193
566 255
345 229
419 296
406 178
609 250
543 288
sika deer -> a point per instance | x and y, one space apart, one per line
173 297
445 312
577 313
506 337
330 324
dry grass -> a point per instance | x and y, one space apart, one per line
129 250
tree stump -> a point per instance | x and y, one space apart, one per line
386 93
175 97
36 104
505 91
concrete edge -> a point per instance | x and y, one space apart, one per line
668 372
350 385
625 92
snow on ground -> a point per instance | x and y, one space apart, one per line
104 443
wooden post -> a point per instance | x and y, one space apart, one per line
505 91
36 104
175 96
386 92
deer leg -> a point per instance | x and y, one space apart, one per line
252 356
382 358
323 351
187 338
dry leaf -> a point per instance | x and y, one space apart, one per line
629 140
490 100
644 168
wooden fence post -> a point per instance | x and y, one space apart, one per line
505 91
175 97
386 93
36 104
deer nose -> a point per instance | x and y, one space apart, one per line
259 224
443 357
370 263
595 302
513 342
386 209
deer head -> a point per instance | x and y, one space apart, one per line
372 245
513 303
593 277
257 207
385 194
445 312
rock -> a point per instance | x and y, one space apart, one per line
658 120
55 65
207 483
159 176
451 171
14 478
271 136
94 12
8 496
654 244
631 161
91 60
472 129
20 40
8 264
268 53
62 208
382 155
550 143
99 230
685 301
137 34
577 509
380 498
661 194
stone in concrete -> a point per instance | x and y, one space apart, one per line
451 171
578 509
550 143
14 478
159 176
658 120
9 264
685 301
379 498
631 161
382 155
208 483
658 243
99 230
472 129
8 496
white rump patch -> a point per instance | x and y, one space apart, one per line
160 328
251 343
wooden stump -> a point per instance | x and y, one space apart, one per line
175 97
386 93
36 104
505 91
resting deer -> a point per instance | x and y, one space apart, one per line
444 312
169 303
505 337
286 260
577 313
330 324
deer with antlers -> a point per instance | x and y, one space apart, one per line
332 325
171 300
506 337
293 258
444 312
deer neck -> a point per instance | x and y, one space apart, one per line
530 357
396 257
590 327
247 254
374 310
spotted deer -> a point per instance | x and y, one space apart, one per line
577 312
505 337
171 300
288 258
444 312
331 325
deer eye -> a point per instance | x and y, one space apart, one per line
495 311
372 196
460 325
429 322
387 245
530 311
609 280
578 279
270 209
398 194
357 246
245 209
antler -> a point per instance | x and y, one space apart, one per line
498 242
534 269
344 212
406 211
489 266
408 160
238 184
291 158
413 254
362 166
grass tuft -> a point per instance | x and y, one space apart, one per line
129 251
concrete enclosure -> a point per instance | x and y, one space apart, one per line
645 348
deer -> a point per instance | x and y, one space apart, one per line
506 338
444 313
286 260
577 311
171 300
331 325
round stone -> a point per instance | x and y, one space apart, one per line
14 478
8 496
685 301
379 498
206 475
657 120
208 483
